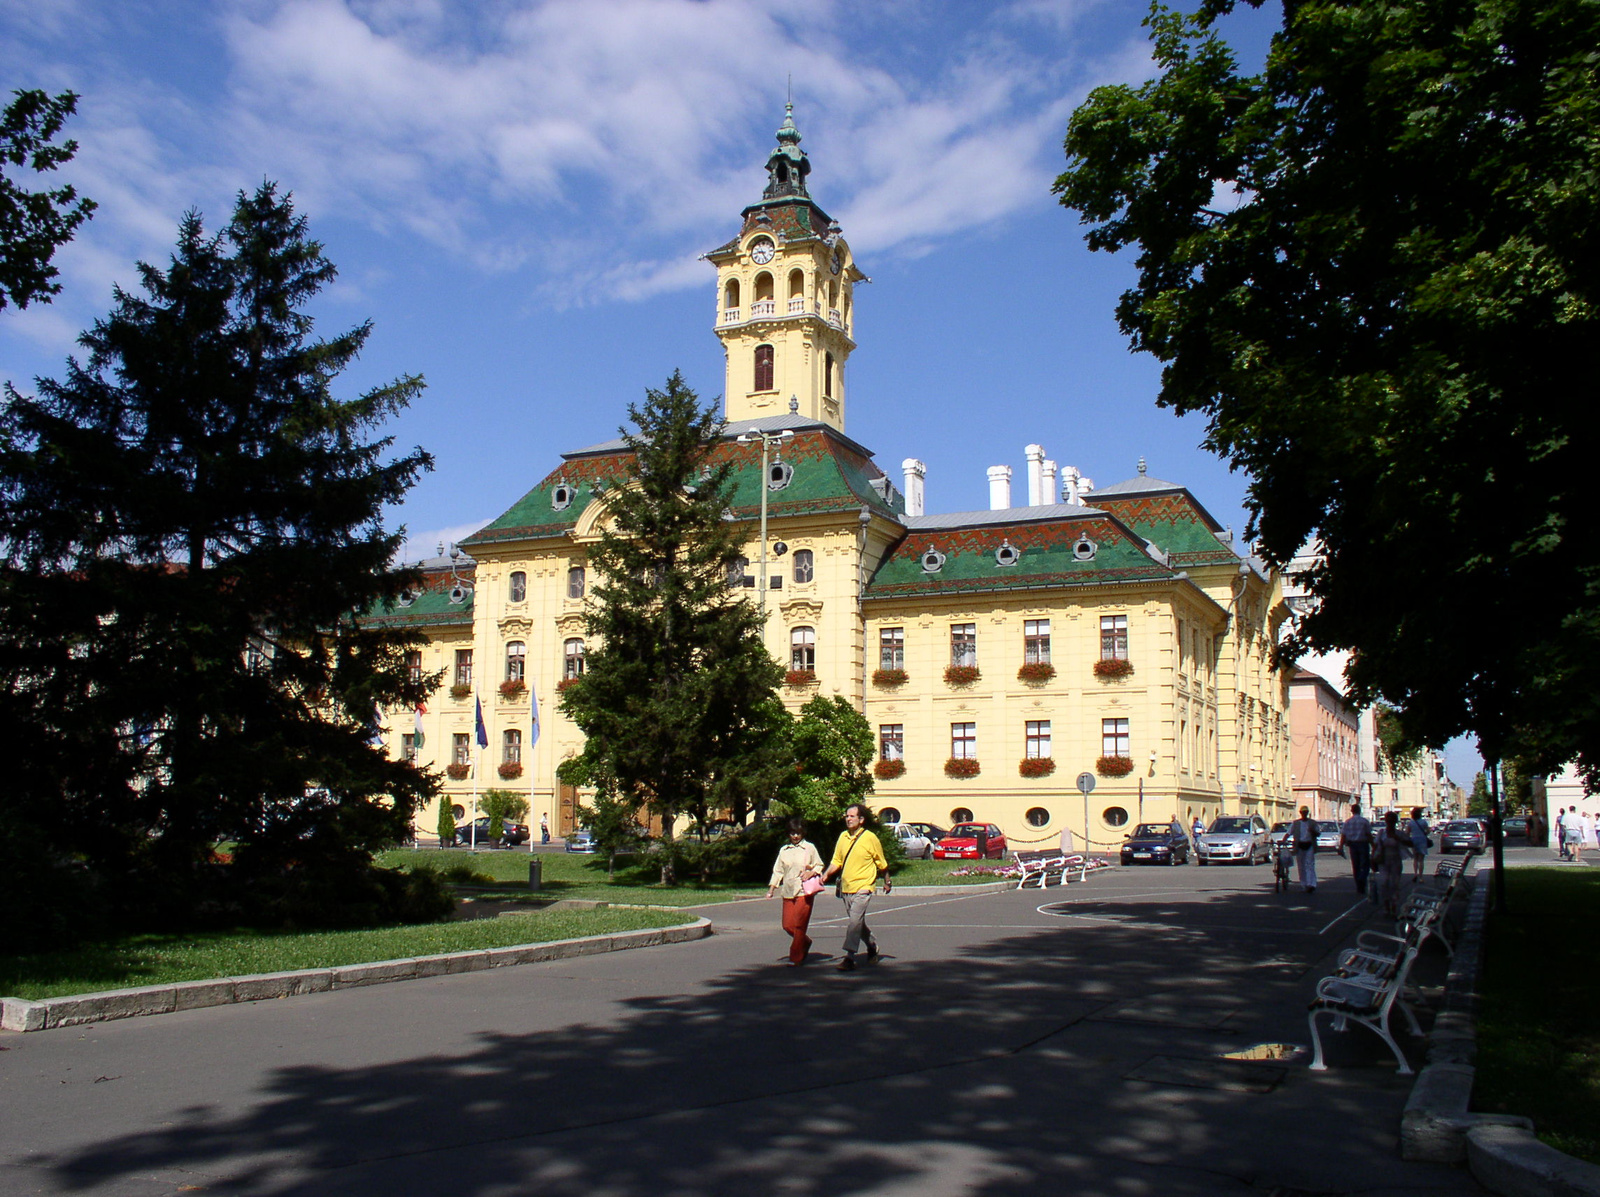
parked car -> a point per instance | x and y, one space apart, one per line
934 834
961 843
1156 843
1515 825
581 841
1234 839
1463 835
913 843
477 831
1327 835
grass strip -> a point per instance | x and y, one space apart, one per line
1538 1040
160 959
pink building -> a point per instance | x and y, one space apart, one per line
1324 759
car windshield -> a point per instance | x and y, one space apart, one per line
1328 827
1231 827
1277 827
967 831
1151 831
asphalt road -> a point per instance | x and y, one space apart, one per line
1072 1041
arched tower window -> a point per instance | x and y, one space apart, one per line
730 295
827 376
764 380
763 286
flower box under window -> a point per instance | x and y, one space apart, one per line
513 689
566 683
961 675
885 770
458 772
961 766
1036 672
1114 766
800 677
1037 766
890 677
1113 667
511 769
460 691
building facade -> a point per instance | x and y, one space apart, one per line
1324 757
999 655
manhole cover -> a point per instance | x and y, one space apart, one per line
1207 1074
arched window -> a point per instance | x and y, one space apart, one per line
511 750
763 286
764 368
803 648
797 284
575 582
730 295
572 658
803 565
519 587
961 815
516 661
827 376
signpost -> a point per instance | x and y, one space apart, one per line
1085 786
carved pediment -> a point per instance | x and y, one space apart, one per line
515 627
800 610
570 625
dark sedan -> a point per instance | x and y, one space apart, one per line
512 834
1463 835
1156 843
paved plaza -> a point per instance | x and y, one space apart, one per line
1071 1041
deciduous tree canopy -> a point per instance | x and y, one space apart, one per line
1373 266
34 224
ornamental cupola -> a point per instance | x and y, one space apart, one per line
787 165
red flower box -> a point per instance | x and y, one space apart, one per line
458 772
1037 766
1114 766
890 677
513 689
1036 671
566 683
800 677
887 770
1112 668
460 691
961 766
511 769
961 675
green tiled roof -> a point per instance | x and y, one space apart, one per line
1170 518
1044 543
431 607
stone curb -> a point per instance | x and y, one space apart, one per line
19 1014
1510 1161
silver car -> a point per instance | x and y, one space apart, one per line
1234 839
913 843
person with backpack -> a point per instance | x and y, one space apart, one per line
1303 836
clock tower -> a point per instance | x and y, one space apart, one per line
785 311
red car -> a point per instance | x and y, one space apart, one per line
961 842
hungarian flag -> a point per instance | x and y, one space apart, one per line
422 709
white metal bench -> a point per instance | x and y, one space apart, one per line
1366 999
1041 866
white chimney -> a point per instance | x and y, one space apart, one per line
1047 486
1085 485
999 487
1035 456
1069 486
915 472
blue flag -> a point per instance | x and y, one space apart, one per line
533 700
483 734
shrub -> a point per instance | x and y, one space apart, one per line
884 770
961 675
1037 766
1112 668
1114 766
1036 671
961 766
800 677
890 677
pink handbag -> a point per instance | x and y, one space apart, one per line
811 887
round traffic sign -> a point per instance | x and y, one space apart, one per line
1085 782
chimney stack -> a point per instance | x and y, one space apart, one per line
915 473
1047 486
1035 456
999 487
1069 487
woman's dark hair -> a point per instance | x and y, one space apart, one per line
1391 818
797 824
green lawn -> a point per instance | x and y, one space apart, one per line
1538 1038
159 959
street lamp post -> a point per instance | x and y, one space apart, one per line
767 441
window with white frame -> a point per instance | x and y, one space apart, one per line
463 667
964 741
519 587
461 748
803 648
1036 641
804 565
1113 637
963 644
1114 738
511 747
1038 738
516 661
408 746
414 666
892 741
572 657
891 648
577 580
737 575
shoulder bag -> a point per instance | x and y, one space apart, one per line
838 886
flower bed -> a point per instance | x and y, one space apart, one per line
511 769
890 677
513 689
961 675
1112 668
1114 766
1036 672
961 766
885 770
1037 766
460 691
998 871
800 677
458 772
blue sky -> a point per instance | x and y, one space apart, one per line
517 193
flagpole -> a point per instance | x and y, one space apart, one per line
481 736
533 742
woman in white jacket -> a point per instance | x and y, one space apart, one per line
796 878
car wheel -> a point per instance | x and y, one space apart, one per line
1201 861
927 853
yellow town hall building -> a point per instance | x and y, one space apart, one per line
997 654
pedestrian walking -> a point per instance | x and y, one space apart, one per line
1198 828
1303 835
1561 834
1420 843
1572 835
797 879
1389 848
858 861
1355 833
544 829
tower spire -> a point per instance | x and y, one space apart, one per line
787 165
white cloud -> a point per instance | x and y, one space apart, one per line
419 546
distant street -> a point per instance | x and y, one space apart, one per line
1069 1041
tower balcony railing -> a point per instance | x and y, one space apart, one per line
730 315
834 318
797 306
763 307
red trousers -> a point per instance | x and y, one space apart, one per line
796 918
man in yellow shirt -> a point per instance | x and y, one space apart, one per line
859 857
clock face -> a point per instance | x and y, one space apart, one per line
835 262
761 252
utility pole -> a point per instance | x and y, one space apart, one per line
767 441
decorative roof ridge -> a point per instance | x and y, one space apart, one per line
1047 513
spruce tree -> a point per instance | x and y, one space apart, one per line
190 530
677 701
